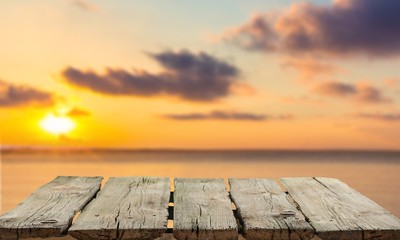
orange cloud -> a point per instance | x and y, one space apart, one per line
78 112
310 68
391 82
302 100
242 89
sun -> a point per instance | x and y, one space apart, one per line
57 124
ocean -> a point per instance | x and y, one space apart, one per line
375 174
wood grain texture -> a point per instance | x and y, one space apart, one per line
266 211
337 211
48 212
126 208
202 210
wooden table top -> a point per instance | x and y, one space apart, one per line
191 208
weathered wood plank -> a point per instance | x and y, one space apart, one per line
48 212
337 211
266 211
126 208
202 210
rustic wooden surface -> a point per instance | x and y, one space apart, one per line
126 208
202 210
337 211
266 212
48 212
137 208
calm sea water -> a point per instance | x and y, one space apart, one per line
375 174
200 155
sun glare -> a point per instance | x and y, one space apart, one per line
57 124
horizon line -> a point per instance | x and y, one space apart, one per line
18 148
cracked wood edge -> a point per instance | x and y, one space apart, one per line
48 212
202 210
264 209
337 211
126 208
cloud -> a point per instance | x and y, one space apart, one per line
391 82
86 5
66 139
345 27
242 89
367 93
336 89
78 112
193 77
302 100
364 93
223 115
257 34
310 68
20 95
391 117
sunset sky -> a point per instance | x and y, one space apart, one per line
201 74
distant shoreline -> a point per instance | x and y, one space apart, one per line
7 150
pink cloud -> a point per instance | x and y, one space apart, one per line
346 27
362 92
86 5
